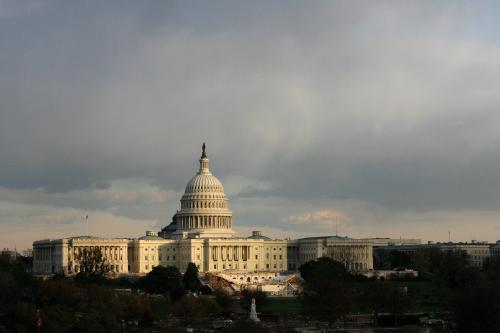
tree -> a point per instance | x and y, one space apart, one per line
26 316
384 296
162 280
196 309
324 269
130 307
190 278
476 309
246 326
247 295
223 299
93 266
491 266
400 259
328 290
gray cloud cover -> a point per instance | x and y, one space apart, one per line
385 112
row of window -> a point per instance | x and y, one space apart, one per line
161 249
160 257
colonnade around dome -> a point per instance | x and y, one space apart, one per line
205 222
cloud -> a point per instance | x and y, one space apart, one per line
323 217
384 108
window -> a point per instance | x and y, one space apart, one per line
173 257
256 256
281 257
145 257
147 267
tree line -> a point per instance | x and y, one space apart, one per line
90 302
470 294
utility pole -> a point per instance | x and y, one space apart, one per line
336 225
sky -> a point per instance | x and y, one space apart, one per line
366 118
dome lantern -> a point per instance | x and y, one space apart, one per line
204 169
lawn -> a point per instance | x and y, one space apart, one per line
284 306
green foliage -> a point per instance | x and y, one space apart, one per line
322 270
163 280
284 306
328 291
190 278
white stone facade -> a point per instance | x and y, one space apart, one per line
61 255
201 232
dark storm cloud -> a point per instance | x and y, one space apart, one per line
388 103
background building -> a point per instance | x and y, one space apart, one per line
476 251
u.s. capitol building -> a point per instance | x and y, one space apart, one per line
201 232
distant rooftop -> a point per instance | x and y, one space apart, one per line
258 235
327 237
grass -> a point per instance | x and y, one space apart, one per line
284 306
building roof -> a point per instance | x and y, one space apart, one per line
326 237
85 237
151 238
257 234
259 237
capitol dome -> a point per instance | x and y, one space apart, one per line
204 206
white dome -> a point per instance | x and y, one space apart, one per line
202 183
204 205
